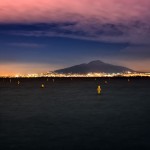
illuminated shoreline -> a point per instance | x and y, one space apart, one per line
52 74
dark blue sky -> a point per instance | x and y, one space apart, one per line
26 44
17 47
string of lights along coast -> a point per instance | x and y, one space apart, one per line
35 75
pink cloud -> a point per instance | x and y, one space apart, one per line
60 10
90 16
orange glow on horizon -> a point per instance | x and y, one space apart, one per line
13 69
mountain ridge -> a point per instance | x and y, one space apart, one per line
95 66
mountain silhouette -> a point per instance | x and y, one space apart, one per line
96 66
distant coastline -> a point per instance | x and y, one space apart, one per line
89 75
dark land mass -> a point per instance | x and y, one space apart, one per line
94 66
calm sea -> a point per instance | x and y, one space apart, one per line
69 115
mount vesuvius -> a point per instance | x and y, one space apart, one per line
96 66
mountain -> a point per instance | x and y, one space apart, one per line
94 66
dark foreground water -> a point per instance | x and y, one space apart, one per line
69 115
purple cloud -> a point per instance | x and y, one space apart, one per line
101 20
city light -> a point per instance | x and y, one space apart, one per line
62 75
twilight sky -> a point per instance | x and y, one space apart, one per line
44 35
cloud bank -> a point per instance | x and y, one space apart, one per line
60 10
102 20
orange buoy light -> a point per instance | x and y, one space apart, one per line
42 86
99 89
